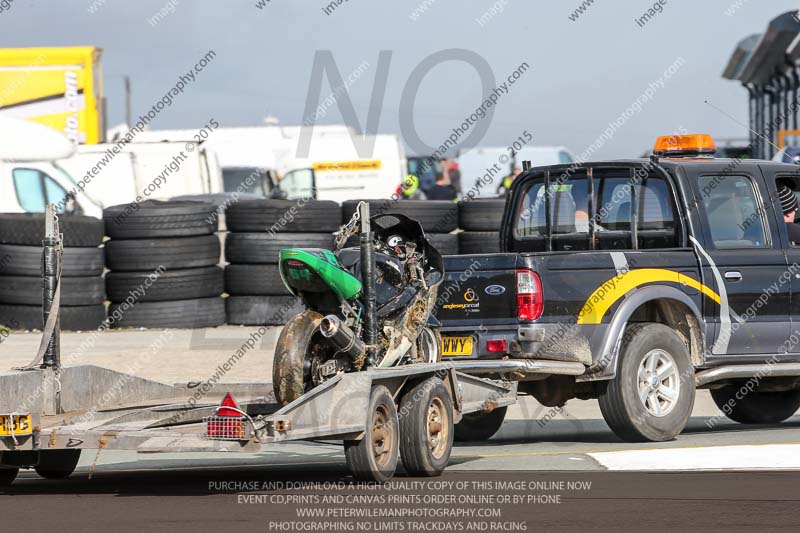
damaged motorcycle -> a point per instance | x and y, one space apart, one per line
367 307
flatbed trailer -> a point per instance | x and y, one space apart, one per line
49 413
342 408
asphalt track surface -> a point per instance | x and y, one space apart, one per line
125 491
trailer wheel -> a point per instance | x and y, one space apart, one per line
481 426
7 475
57 464
426 428
756 407
652 395
375 457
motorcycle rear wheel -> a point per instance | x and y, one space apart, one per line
291 368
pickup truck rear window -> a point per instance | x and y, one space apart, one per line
606 203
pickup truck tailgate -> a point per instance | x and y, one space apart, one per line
478 290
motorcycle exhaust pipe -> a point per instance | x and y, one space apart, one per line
344 338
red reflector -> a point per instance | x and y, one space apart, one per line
229 407
227 423
530 300
496 346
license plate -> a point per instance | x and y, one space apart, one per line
21 425
456 346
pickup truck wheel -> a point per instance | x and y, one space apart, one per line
7 475
480 426
57 464
426 428
652 395
375 457
754 407
291 368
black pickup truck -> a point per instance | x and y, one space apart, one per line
635 282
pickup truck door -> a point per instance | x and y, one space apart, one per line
742 256
773 172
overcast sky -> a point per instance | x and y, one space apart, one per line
583 74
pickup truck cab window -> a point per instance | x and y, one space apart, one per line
598 213
732 212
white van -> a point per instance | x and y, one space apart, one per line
482 162
30 175
114 174
332 170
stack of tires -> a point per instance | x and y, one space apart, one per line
480 220
259 229
163 258
82 287
438 219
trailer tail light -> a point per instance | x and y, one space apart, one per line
530 301
228 423
497 346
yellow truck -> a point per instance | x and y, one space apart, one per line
60 87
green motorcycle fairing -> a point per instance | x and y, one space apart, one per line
316 270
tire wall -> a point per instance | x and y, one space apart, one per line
82 286
259 230
163 259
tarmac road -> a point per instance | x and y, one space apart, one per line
702 480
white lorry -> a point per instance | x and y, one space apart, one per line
30 173
144 170
332 168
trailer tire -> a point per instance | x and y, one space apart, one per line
57 464
29 317
481 215
756 407
436 216
375 457
28 229
263 248
7 475
480 426
179 314
138 255
21 260
27 290
479 242
426 428
254 280
288 367
261 310
180 284
313 216
653 360
159 218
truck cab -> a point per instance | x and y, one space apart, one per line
635 282
30 176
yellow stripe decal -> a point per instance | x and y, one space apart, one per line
617 287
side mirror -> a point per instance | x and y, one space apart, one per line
71 206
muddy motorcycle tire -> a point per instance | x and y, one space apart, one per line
288 368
